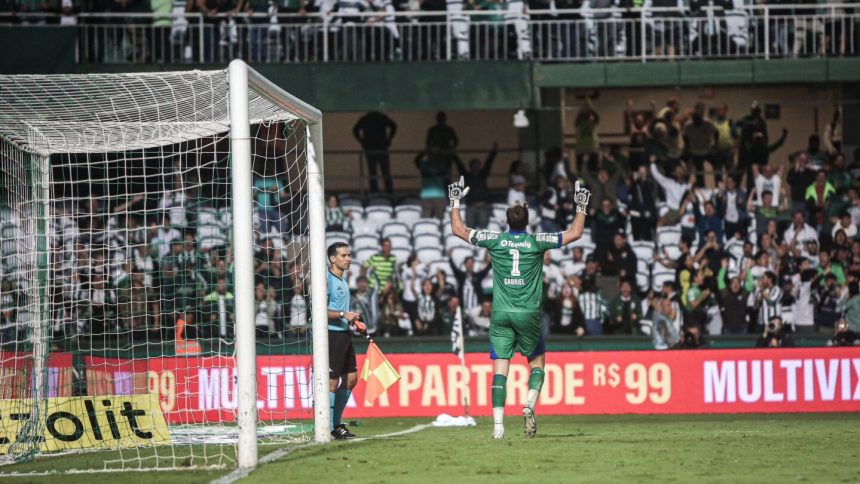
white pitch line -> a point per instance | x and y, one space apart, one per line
281 453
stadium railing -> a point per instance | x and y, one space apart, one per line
557 35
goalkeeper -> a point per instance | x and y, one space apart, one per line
517 259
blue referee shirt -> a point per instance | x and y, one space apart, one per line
338 300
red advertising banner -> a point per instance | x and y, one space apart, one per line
614 382
17 379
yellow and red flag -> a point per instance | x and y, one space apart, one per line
378 373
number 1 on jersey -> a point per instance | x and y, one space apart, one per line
516 268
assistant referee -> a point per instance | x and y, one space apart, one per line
343 371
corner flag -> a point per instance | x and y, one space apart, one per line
377 372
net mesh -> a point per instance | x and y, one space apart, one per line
117 286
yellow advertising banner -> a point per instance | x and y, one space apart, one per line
104 422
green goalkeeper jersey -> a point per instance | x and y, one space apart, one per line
517 267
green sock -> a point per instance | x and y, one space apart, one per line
500 390
535 384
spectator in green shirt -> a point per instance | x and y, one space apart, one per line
587 141
625 311
383 264
827 266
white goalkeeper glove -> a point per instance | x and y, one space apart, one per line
457 191
581 195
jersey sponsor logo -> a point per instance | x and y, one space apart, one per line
485 235
547 237
525 244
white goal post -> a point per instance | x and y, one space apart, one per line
241 78
157 231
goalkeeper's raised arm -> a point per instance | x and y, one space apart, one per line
457 191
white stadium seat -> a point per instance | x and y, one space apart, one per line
394 228
365 241
426 226
430 254
407 213
426 241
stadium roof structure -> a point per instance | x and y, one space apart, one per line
97 113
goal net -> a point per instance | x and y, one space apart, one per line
157 244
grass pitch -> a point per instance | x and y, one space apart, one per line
710 448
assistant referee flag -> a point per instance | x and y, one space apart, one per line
378 373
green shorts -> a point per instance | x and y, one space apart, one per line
514 331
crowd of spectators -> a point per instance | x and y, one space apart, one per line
368 30
693 231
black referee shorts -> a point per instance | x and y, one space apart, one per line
341 354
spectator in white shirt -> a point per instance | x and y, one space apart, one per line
803 308
799 234
675 189
574 266
479 318
768 179
517 191
846 225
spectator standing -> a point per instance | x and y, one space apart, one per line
833 133
517 190
220 308
826 266
675 188
587 141
768 179
298 323
668 28
723 153
479 318
435 170
575 266
392 316
620 260
642 208
828 303
374 131
365 301
799 234
441 138
428 306
475 177
607 223
767 300
271 193
666 317
816 155
708 220
605 184
625 311
753 146
818 196
851 312
803 309
700 137
846 225
411 275
383 264
556 205
593 308
470 281
733 307
800 177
